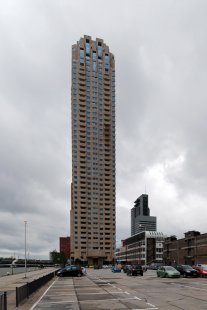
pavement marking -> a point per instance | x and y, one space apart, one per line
137 298
118 293
65 285
101 293
151 305
197 288
146 309
92 285
199 283
53 295
58 302
43 295
114 299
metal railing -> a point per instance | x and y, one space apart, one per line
26 290
3 300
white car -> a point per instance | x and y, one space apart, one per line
84 270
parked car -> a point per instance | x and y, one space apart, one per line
202 265
70 271
187 271
115 269
155 266
135 270
126 267
168 272
145 267
201 270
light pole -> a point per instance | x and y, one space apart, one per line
25 248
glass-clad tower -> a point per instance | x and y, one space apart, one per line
93 188
141 220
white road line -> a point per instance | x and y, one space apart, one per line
43 295
88 285
118 299
127 293
101 293
137 298
117 292
61 287
146 309
58 302
193 287
57 295
151 305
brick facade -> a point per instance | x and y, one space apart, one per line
191 250
65 246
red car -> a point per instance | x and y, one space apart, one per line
201 270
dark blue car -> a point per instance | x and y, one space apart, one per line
116 269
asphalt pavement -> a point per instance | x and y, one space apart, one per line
10 282
102 289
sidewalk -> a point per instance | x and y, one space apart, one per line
9 284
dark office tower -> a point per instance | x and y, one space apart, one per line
92 213
140 216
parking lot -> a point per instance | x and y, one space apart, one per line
102 289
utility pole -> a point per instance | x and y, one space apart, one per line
25 248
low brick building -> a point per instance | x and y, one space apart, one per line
65 246
191 250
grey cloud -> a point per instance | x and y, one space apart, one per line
160 53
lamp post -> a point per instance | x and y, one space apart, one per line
25 248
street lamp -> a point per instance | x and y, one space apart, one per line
25 248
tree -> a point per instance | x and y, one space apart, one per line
58 257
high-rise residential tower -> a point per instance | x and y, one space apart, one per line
92 216
140 216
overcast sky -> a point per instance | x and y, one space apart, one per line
160 52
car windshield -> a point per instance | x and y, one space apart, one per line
170 268
187 267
